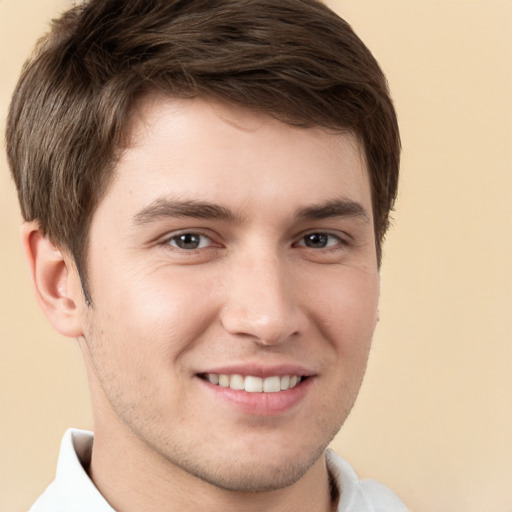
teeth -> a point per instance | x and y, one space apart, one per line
237 382
213 378
272 385
224 381
252 384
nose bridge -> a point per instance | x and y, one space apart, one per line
261 298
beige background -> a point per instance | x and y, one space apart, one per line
434 418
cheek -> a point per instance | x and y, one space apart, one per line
137 335
155 313
347 305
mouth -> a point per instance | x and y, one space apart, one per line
254 384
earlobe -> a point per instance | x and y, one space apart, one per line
55 279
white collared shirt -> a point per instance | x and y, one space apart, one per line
73 491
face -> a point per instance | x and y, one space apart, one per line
234 283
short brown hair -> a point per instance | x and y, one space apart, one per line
293 59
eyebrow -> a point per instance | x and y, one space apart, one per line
164 208
335 208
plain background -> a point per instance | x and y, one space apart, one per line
434 417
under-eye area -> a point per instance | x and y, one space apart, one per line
253 384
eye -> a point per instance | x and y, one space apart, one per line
189 241
320 240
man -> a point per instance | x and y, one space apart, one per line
206 186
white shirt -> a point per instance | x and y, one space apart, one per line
73 491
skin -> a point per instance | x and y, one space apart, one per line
256 293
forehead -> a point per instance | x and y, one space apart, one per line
207 150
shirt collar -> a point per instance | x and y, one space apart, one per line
72 481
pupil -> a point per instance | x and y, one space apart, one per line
316 240
188 241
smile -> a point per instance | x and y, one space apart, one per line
252 384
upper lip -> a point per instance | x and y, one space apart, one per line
261 370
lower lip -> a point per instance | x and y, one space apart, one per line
261 404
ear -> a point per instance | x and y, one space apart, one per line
55 280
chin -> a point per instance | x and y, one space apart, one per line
252 478
271 468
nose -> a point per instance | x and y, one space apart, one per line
262 301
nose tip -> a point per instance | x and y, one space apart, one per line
267 328
262 305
